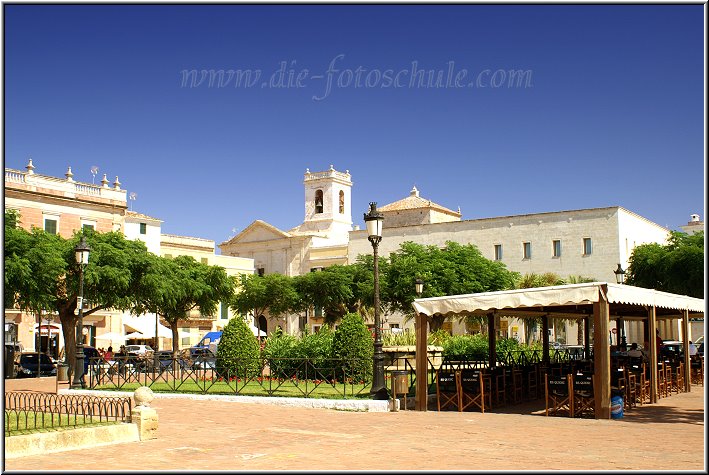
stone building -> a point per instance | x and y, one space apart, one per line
63 206
586 242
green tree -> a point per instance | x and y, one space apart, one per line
272 293
238 351
455 269
41 272
338 290
173 287
353 346
676 267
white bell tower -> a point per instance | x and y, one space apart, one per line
328 207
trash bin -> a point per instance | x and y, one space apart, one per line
617 405
399 382
62 372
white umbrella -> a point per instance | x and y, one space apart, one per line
136 335
111 336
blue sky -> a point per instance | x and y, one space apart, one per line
610 111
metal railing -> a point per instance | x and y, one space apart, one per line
32 411
293 377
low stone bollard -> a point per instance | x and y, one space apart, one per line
143 415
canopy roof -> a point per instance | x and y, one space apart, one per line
146 326
572 299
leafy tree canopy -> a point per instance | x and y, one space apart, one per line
272 293
676 267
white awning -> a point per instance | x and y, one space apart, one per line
573 294
145 324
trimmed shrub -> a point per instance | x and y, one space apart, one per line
280 351
238 351
353 346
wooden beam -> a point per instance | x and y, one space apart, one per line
652 340
545 339
685 343
491 340
421 398
601 357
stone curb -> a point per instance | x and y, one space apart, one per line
367 405
59 441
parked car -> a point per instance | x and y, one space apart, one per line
672 348
202 358
138 349
166 359
33 364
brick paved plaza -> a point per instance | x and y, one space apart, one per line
211 435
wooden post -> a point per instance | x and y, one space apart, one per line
652 329
601 356
421 400
587 336
685 343
545 339
491 340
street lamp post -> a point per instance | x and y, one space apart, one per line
82 258
620 278
374 220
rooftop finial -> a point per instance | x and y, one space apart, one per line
414 191
69 175
30 168
116 184
104 181
331 167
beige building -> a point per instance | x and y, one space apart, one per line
587 242
319 241
63 206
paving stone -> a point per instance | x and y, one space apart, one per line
215 435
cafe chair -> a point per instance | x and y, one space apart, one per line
558 394
678 378
583 397
661 380
498 376
697 371
631 389
471 389
447 389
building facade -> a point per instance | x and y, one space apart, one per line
589 243
64 206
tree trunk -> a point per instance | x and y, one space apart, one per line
579 324
175 341
69 322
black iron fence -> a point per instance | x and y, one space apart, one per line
294 377
32 411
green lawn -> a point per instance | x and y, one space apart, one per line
28 422
310 389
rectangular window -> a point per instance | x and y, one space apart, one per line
50 225
556 248
88 226
224 315
261 271
186 340
143 228
587 248
527 250
498 252
318 312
